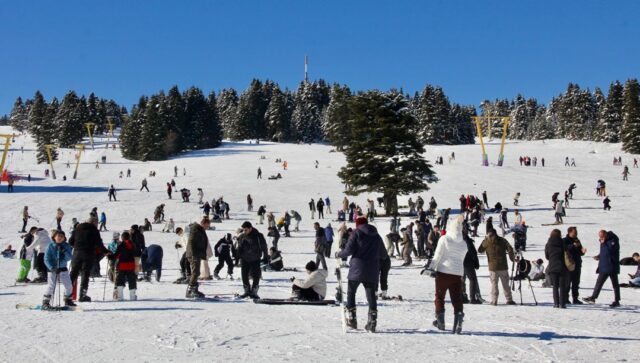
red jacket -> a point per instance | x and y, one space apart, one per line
125 256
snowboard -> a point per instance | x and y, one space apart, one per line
294 302
629 285
53 308
392 298
340 296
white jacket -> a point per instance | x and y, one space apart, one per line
317 280
40 243
449 255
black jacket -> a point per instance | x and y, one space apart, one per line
366 249
554 252
224 248
138 241
471 258
574 247
252 247
86 242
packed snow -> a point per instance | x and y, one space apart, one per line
163 326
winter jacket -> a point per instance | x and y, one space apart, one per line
86 242
609 257
113 246
197 243
224 247
152 258
252 247
449 255
297 216
320 204
328 232
275 261
57 255
316 280
554 253
25 253
497 248
138 241
365 247
125 256
471 258
432 239
42 241
321 241
574 247
312 205
559 208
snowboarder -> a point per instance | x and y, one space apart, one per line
608 266
252 248
224 251
365 248
314 288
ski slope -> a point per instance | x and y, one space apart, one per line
163 326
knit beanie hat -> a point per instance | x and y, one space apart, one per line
361 220
311 266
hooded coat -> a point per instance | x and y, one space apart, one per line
366 248
451 250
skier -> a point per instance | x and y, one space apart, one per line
448 265
59 216
573 162
320 246
497 249
566 161
314 288
365 248
249 203
86 243
259 173
608 266
252 248
169 189
56 258
25 218
144 185
112 193
125 268
320 208
625 173
607 203
152 260
103 222
224 251
196 251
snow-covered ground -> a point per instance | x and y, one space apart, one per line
162 327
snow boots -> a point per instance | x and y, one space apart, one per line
247 293
383 294
216 276
193 293
46 303
132 295
182 279
373 320
84 297
458 318
68 301
352 322
439 322
119 293
230 277
254 293
465 298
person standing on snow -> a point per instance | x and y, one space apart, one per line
59 216
312 208
197 245
557 270
575 249
25 218
497 249
112 193
144 185
252 248
327 203
125 268
365 246
608 266
56 258
224 251
320 208
86 243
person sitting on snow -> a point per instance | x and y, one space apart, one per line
314 288
537 270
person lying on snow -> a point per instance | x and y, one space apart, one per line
314 288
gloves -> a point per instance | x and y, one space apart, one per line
178 246
292 279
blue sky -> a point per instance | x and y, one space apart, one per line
473 49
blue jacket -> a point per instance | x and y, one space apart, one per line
609 255
103 217
57 255
152 258
113 246
366 249
328 233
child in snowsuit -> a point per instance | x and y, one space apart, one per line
224 251
125 267
56 258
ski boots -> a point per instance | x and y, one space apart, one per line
352 321
439 322
372 322
254 294
193 293
216 276
458 318
68 301
132 295
83 296
46 303
246 294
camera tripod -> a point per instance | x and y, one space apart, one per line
522 274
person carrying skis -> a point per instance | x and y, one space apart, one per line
365 247
125 267
448 265
314 288
57 257
252 248
224 251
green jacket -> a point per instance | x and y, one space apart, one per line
496 248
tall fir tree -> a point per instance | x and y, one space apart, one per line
228 111
519 122
610 115
176 122
213 125
70 121
155 141
40 127
19 117
250 115
132 129
630 134
385 155
336 118
307 115
278 117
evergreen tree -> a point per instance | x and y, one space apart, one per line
19 118
384 155
307 115
201 120
630 135
70 120
610 115
40 127
543 125
518 124
176 122
227 111
155 141
132 129
213 125
336 118
461 117
96 115
250 115
278 117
